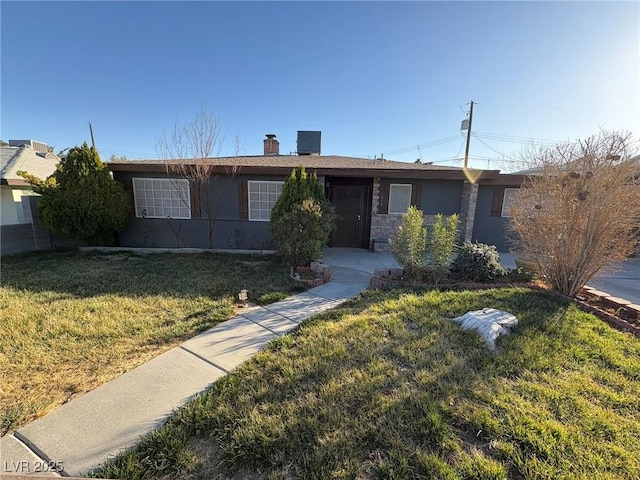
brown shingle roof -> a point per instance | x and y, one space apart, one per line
308 161
323 165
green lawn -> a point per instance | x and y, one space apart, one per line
387 387
72 321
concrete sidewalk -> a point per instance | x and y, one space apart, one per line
620 280
85 432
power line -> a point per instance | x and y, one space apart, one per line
478 135
513 138
460 159
120 153
413 148
558 107
461 147
493 149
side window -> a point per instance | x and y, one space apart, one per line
507 201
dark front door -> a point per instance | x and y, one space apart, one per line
352 225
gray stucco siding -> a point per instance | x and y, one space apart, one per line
217 187
229 203
440 196
488 229
229 230
226 204
232 231
169 233
435 196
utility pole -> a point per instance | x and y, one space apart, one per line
466 151
93 142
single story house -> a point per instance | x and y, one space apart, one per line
369 196
18 233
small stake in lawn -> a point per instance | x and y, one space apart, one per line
242 296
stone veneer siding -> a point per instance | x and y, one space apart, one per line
468 210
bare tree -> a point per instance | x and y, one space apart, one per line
189 152
237 145
579 210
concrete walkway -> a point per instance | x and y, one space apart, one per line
85 432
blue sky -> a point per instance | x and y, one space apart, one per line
374 77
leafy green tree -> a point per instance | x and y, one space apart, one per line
295 190
80 200
300 232
302 220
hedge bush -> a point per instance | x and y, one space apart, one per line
478 262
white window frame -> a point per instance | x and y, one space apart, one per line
403 185
254 183
180 201
505 213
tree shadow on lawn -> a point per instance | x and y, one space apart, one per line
376 380
387 387
88 274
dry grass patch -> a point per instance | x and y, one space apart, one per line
72 321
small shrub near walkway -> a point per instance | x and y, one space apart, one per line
425 252
72 321
388 387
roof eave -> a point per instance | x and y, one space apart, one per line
14 182
453 174
508 179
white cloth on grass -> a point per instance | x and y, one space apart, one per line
489 322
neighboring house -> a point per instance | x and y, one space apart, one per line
17 230
369 196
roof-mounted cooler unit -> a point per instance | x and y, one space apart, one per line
309 142
35 146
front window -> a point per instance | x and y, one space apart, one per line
262 197
162 198
507 201
399 197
